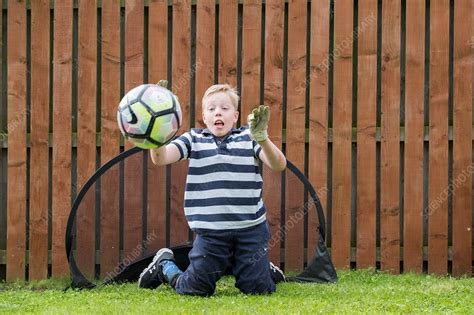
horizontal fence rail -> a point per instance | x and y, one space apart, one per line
372 100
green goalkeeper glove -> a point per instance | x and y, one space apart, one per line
163 83
258 122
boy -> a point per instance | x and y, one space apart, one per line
223 203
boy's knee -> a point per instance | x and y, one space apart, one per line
257 286
192 285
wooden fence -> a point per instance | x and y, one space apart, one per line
372 99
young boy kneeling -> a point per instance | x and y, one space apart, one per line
223 200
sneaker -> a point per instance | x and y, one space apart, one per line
276 274
152 276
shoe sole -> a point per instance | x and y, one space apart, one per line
158 256
279 270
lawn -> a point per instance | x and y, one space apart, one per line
364 291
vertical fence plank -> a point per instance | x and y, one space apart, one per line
133 188
251 32
17 114
62 107
366 130
110 136
390 147
295 135
318 113
251 37
228 11
204 67
438 149
86 131
3 139
462 139
414 98
342 131
38 258
273 97
181 87
157 70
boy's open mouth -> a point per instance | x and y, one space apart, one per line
219 123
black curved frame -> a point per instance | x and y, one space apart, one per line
321 256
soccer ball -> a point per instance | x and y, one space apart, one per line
149 116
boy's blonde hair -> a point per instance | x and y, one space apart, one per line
227 89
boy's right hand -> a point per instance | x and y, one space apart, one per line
258 123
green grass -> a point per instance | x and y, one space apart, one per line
364 291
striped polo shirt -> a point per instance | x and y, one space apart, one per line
223 185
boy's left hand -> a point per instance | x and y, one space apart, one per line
163 83
258 122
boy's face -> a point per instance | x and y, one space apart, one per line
219 114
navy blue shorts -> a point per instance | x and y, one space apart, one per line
245 251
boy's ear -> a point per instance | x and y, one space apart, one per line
236 116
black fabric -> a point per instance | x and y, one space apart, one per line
78 279
320 269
